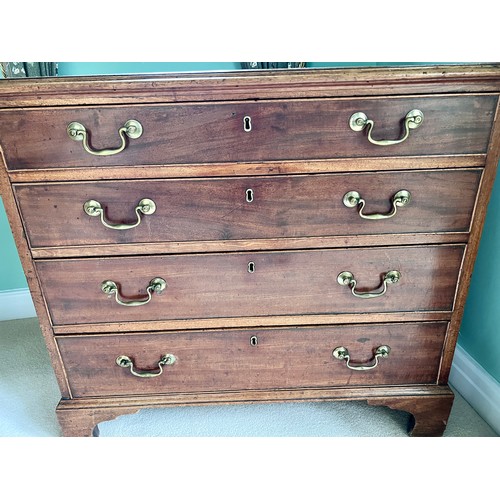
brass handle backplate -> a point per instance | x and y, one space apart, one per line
353 199
346 278
359 121
132 129
126 362
145 207
342 354
156 285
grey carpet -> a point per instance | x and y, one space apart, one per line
29 395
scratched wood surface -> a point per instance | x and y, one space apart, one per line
247 208
281 130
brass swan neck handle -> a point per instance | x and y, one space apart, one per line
126 362
94 208
400 199
131 129
346 278
156 285
359 121
342 354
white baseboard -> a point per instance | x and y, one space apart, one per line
477 387
16 304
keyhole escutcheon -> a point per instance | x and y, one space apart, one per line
251 267
254 340
249 195
247 123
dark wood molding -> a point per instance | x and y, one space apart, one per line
248 85
80 417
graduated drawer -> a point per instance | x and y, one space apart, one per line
247 208
246 131
252 359
250 284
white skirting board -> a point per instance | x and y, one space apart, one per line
467 376
16 304
477 387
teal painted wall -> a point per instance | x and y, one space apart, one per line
115 68
480 330
479 335
11 272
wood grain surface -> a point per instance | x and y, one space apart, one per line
205 133
80 416
219 209
226 360
254 168
429 414
196 161
220 285
250 85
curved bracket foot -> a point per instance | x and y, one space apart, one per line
82 422
429 413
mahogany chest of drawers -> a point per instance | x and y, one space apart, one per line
250 236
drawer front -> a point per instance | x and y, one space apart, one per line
229 360
280 130
250 284
247 208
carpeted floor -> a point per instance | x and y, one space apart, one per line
29 395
